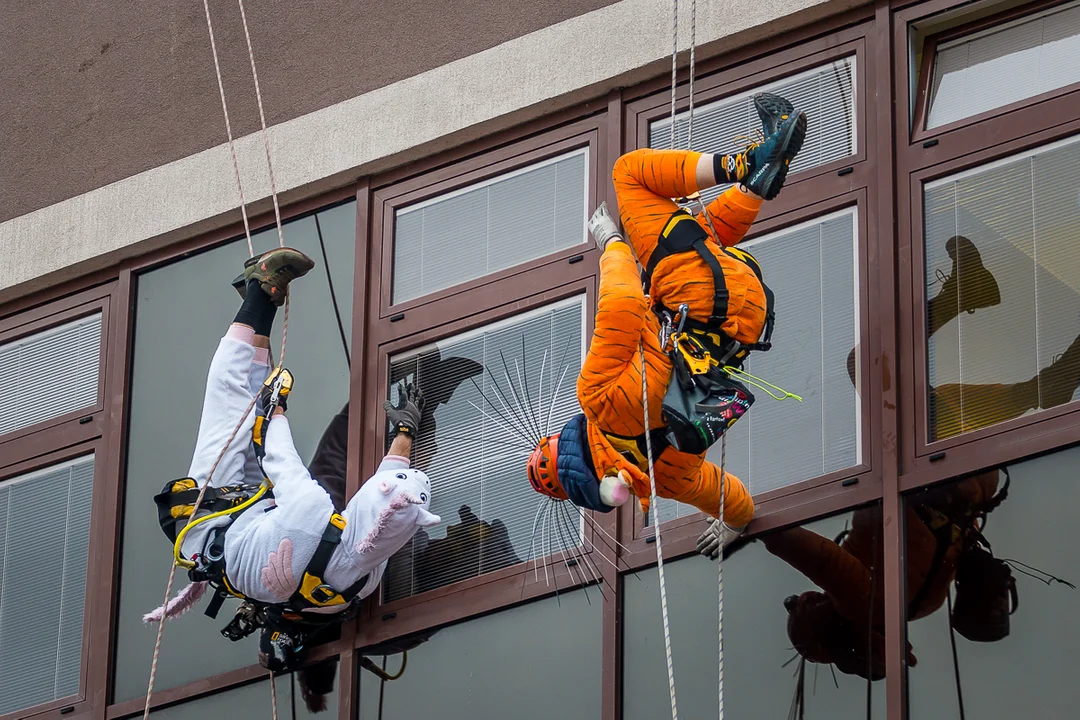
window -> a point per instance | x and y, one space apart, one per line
536 661
813 270
491 394
247 702
826 94
490 226
50 373
1007 602
182 310
1005 64
1003 288
770 605
44 543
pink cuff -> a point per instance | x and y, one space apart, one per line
241 333
262 356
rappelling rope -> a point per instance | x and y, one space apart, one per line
285 321
273 696
656 533
720 578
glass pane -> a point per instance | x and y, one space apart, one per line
43 582
794 601
482 422
490 226
1002 266
995 594
248 702
182 311
50 373
826 94
813 269
534 662
1004 65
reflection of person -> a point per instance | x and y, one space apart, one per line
294 553
598 459
845 620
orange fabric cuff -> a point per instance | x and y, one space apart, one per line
743 200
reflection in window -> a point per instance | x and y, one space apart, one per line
826 94
1005 64
813 269
182 310
802 607
490 226
536 661
50 373
993 572
490 395
44 539
1003 282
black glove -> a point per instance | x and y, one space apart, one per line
405 418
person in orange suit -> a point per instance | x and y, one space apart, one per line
599 458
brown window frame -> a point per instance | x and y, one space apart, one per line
815 192
507 585
971 143
89 430
392 194
919 131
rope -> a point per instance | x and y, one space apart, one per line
656 530
273 696
172 572
693 48
720 577
674 63
262 122
285 322
228 129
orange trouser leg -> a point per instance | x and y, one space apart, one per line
645 181
693 480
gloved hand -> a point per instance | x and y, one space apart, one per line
603 227
715 538
405 417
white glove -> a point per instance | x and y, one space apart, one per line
603 227
711 544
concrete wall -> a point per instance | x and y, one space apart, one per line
114 139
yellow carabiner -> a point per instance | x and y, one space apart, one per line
699 365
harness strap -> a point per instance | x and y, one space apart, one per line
313 590
635 449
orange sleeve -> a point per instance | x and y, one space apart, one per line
731 215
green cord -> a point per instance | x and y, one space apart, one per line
760 384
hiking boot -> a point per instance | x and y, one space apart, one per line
274 270
985 597
1059 381
969 287
773 111
763 167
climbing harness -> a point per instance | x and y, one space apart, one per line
195 506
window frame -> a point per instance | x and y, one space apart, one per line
808 194
784 505
974 142
91 430
919 131
391 195
489 591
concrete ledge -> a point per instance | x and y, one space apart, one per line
559 66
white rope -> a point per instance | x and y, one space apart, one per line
656 531
693 49
720 576
674 63
285 322
262 122
228 129
273 697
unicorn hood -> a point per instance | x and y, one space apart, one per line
385 513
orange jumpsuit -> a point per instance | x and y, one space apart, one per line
609 386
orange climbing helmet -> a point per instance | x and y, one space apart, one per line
543 471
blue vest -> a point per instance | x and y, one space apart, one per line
575 468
